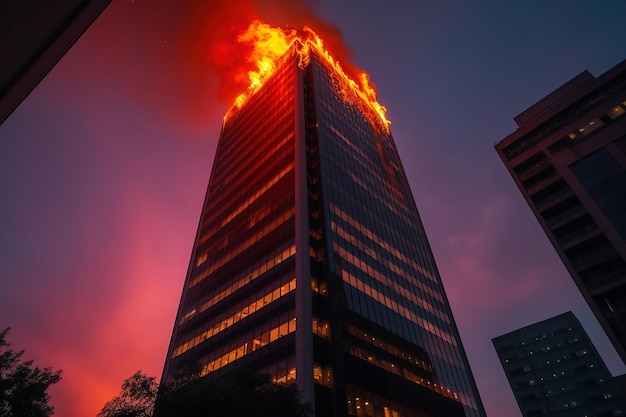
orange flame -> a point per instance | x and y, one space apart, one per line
269 43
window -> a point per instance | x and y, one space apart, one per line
582 352
591 127
615 112
202 258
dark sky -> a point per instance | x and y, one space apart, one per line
103 170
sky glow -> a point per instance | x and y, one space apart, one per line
103 169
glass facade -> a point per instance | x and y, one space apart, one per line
604 180
554 369
379 338
238 302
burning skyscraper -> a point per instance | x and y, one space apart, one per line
310 261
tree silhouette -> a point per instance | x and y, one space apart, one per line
23 388
135 400
241 393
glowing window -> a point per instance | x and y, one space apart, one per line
590 127
202 258
615 112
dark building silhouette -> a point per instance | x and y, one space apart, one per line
620 381
554 370
310 260
34 36
568 158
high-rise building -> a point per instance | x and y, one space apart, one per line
310 260
554 370
568 158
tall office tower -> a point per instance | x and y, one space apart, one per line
568 158
310 261
554 370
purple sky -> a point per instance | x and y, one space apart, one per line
103 169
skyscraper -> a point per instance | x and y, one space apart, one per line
554 370
568 158
310 260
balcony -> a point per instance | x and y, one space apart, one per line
604 283
528 172
578 236
568 215
541 182
592 257
557 196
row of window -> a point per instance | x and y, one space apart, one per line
563 118
555 375
361 179
253 136
391 204
613 409
264 265
563 354
389 190
261 152
234 316
573 210
585 130
394 306
238 151
249 343
357 153
260 191
372 254
547 363
401 293
585 385
389 248
390 348
254 197
588 128
370 357
537 338
362 403
364 408
256 237
531 165
253 156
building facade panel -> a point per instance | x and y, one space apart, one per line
238 303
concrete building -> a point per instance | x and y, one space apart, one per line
554 370
34 36
311 262
568 158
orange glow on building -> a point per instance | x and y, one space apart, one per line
269 43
